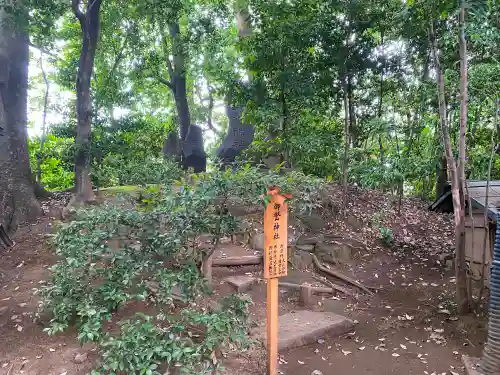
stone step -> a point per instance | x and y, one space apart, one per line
241 283
306 327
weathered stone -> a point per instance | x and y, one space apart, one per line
257 241
241 283
334 253
80 357
470 365
308 248
313 222
306 327
301 260
171 146
310 240
239 137
306 294
194 150
271 161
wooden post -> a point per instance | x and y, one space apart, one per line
272 326
275 266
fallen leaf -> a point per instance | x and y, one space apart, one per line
346 352
402 346
395 354
301 363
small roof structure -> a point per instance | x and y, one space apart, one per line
477 192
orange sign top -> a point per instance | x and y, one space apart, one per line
276 236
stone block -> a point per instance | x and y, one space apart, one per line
306 327
334 253
241 283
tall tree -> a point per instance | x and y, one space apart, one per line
17 197
88 16
456 171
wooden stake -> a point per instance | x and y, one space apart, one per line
275 266
272 326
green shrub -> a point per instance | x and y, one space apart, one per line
386 235
56 161
116 170
110 257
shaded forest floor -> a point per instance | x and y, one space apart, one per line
408 327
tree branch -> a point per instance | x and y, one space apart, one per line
164 81
75 5
166 50
43 50
170 68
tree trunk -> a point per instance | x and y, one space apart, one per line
44 124
441 176
17 198
457 191
463 302
345 162
178 78
381 97
90 25
353 129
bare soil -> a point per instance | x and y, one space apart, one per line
408 327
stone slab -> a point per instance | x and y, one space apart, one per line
241 283
470 365
306 327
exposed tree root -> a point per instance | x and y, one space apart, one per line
339 275
334 286
5 239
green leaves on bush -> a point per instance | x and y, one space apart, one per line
112 258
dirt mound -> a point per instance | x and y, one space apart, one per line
370 213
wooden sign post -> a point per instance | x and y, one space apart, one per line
275 266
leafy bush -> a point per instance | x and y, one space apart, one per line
56 161
111 258
386 235
116 170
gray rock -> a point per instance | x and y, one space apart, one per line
305 327
308 248
302 260
334 252
313 222
316 372
80 357
257 241
239 137
310 240
194 150
171 146
241 283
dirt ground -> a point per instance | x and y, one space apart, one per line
407 327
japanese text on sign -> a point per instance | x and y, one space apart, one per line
275 238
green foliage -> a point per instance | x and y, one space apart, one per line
55 158
386 235
111 258
118 170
